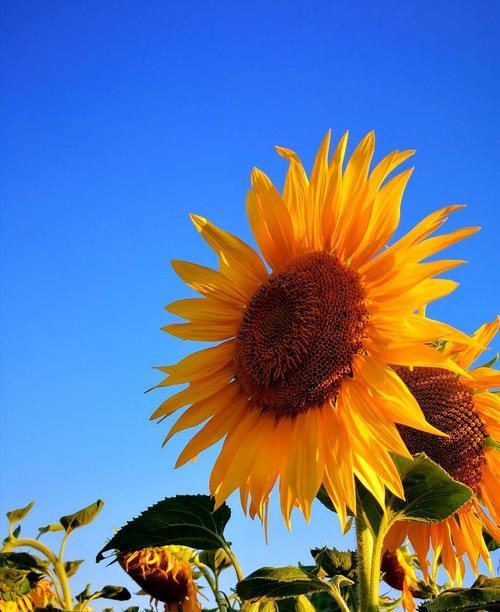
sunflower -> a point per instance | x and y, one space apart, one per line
40 595
399 573
300 385
463 408
164 575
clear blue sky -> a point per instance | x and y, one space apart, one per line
120 118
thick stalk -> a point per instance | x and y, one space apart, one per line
373 595
364 540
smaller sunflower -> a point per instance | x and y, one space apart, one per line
400 574
467 411
164 575
40 595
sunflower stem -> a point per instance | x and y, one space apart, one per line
237 568
212 583
376 561
364 541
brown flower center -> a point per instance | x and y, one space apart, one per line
299 335
447 404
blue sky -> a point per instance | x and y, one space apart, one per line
120 118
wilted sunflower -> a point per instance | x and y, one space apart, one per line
164 575
399 573
463 408
300 386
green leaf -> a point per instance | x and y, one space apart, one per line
14 516
71 567
22 561
82 517
431 494
50 528
132 609
335 562
295 604
485 597
187 520
279 582
491 362
85 594
216 560
110 591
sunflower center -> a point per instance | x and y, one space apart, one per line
448 405
299 335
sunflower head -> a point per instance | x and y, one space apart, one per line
448 404
299 334
463 407
301 385
164 575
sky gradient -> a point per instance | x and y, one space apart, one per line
120 118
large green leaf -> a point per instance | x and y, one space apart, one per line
187 520
484 595
82 517
14 516
279 582
431 493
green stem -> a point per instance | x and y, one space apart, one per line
376 561
213 586
234 561
339 599
364 540
67 601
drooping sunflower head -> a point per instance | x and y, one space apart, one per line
302 386
164 575
464 409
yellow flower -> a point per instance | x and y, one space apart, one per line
164 575
463 408
40 596
300 385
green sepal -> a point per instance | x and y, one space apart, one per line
335 562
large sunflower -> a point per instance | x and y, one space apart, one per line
463 408
300 385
